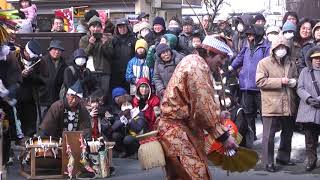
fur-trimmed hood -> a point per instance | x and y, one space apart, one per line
309 53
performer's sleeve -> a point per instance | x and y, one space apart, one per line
206 111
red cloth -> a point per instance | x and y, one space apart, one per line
95 128
152 102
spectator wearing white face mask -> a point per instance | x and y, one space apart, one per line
240 39
289 31
78 71
275 75
272 33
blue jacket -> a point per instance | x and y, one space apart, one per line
248 60
136 69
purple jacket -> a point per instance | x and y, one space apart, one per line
248 60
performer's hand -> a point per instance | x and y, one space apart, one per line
26 72
230 143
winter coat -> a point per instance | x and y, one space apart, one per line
50 92
277 99
306 89
135 126
136 69
164 70
123 46
151 103
101 53
29 89
30 13
248 59
53 122
185 44
73 73
10 74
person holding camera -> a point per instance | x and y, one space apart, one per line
99 48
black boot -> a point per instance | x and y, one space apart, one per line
311 140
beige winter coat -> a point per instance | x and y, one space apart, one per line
277 99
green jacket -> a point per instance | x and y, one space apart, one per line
101 53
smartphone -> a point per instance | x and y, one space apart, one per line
97 35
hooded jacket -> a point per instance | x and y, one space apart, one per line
239 39
73 73
277 99
151 103
306 89
248 59
136 69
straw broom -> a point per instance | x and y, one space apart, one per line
150 153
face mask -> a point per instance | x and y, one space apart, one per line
281 52
240 27
80 61
144 32
288 35
126 106
272 37
4 51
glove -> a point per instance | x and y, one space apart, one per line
230 68
313 102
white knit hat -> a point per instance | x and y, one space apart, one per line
213 44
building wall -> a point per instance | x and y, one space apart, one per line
304 8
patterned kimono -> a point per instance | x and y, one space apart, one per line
189 108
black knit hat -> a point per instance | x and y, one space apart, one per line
259 17
159 20
161 48
88 15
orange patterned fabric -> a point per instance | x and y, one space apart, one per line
188 108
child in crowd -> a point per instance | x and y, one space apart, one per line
128 123
147 102
30 11
137 67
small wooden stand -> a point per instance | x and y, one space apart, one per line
33 174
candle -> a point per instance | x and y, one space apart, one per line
50 140
30 141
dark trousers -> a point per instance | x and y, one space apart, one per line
27 112
311 131
270 127
251 103
127 143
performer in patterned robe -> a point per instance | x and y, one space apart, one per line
189 108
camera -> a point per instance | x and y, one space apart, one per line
97 35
